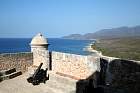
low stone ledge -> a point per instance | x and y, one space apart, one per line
67 75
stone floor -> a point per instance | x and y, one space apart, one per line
56 84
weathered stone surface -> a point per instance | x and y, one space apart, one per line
56 84
41 55
20 61
75 65
125 76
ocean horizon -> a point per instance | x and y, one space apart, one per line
14 45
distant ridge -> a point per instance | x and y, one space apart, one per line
108 33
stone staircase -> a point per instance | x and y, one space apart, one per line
9 74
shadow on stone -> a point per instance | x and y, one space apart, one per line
89 85
1 79
125 76
50 61
117 76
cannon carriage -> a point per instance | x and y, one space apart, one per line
39 76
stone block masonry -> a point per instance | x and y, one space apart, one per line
72 65
41 55
20 61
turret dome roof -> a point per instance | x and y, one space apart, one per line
39 39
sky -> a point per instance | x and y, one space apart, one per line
57 18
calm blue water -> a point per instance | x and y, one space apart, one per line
11 45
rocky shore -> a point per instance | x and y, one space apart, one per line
90 49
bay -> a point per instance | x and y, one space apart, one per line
13 45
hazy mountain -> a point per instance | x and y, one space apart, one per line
73 36
109 33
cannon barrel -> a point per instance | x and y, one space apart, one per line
40 75
32 78
37 70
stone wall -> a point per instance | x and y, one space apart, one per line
115 75
122 76
20 61
41 55
74 66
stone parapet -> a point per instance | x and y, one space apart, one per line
20 61
73 65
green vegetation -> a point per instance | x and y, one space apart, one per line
126 48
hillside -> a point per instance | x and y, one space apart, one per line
126 48
108 33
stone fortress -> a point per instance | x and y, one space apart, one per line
100 73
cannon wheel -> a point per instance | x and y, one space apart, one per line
30 79
36 82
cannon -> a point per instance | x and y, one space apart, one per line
40 75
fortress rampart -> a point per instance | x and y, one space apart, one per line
75 66
20 61
113 74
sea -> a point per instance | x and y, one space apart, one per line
13 45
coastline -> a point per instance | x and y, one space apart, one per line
89 48
99 54
123 48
